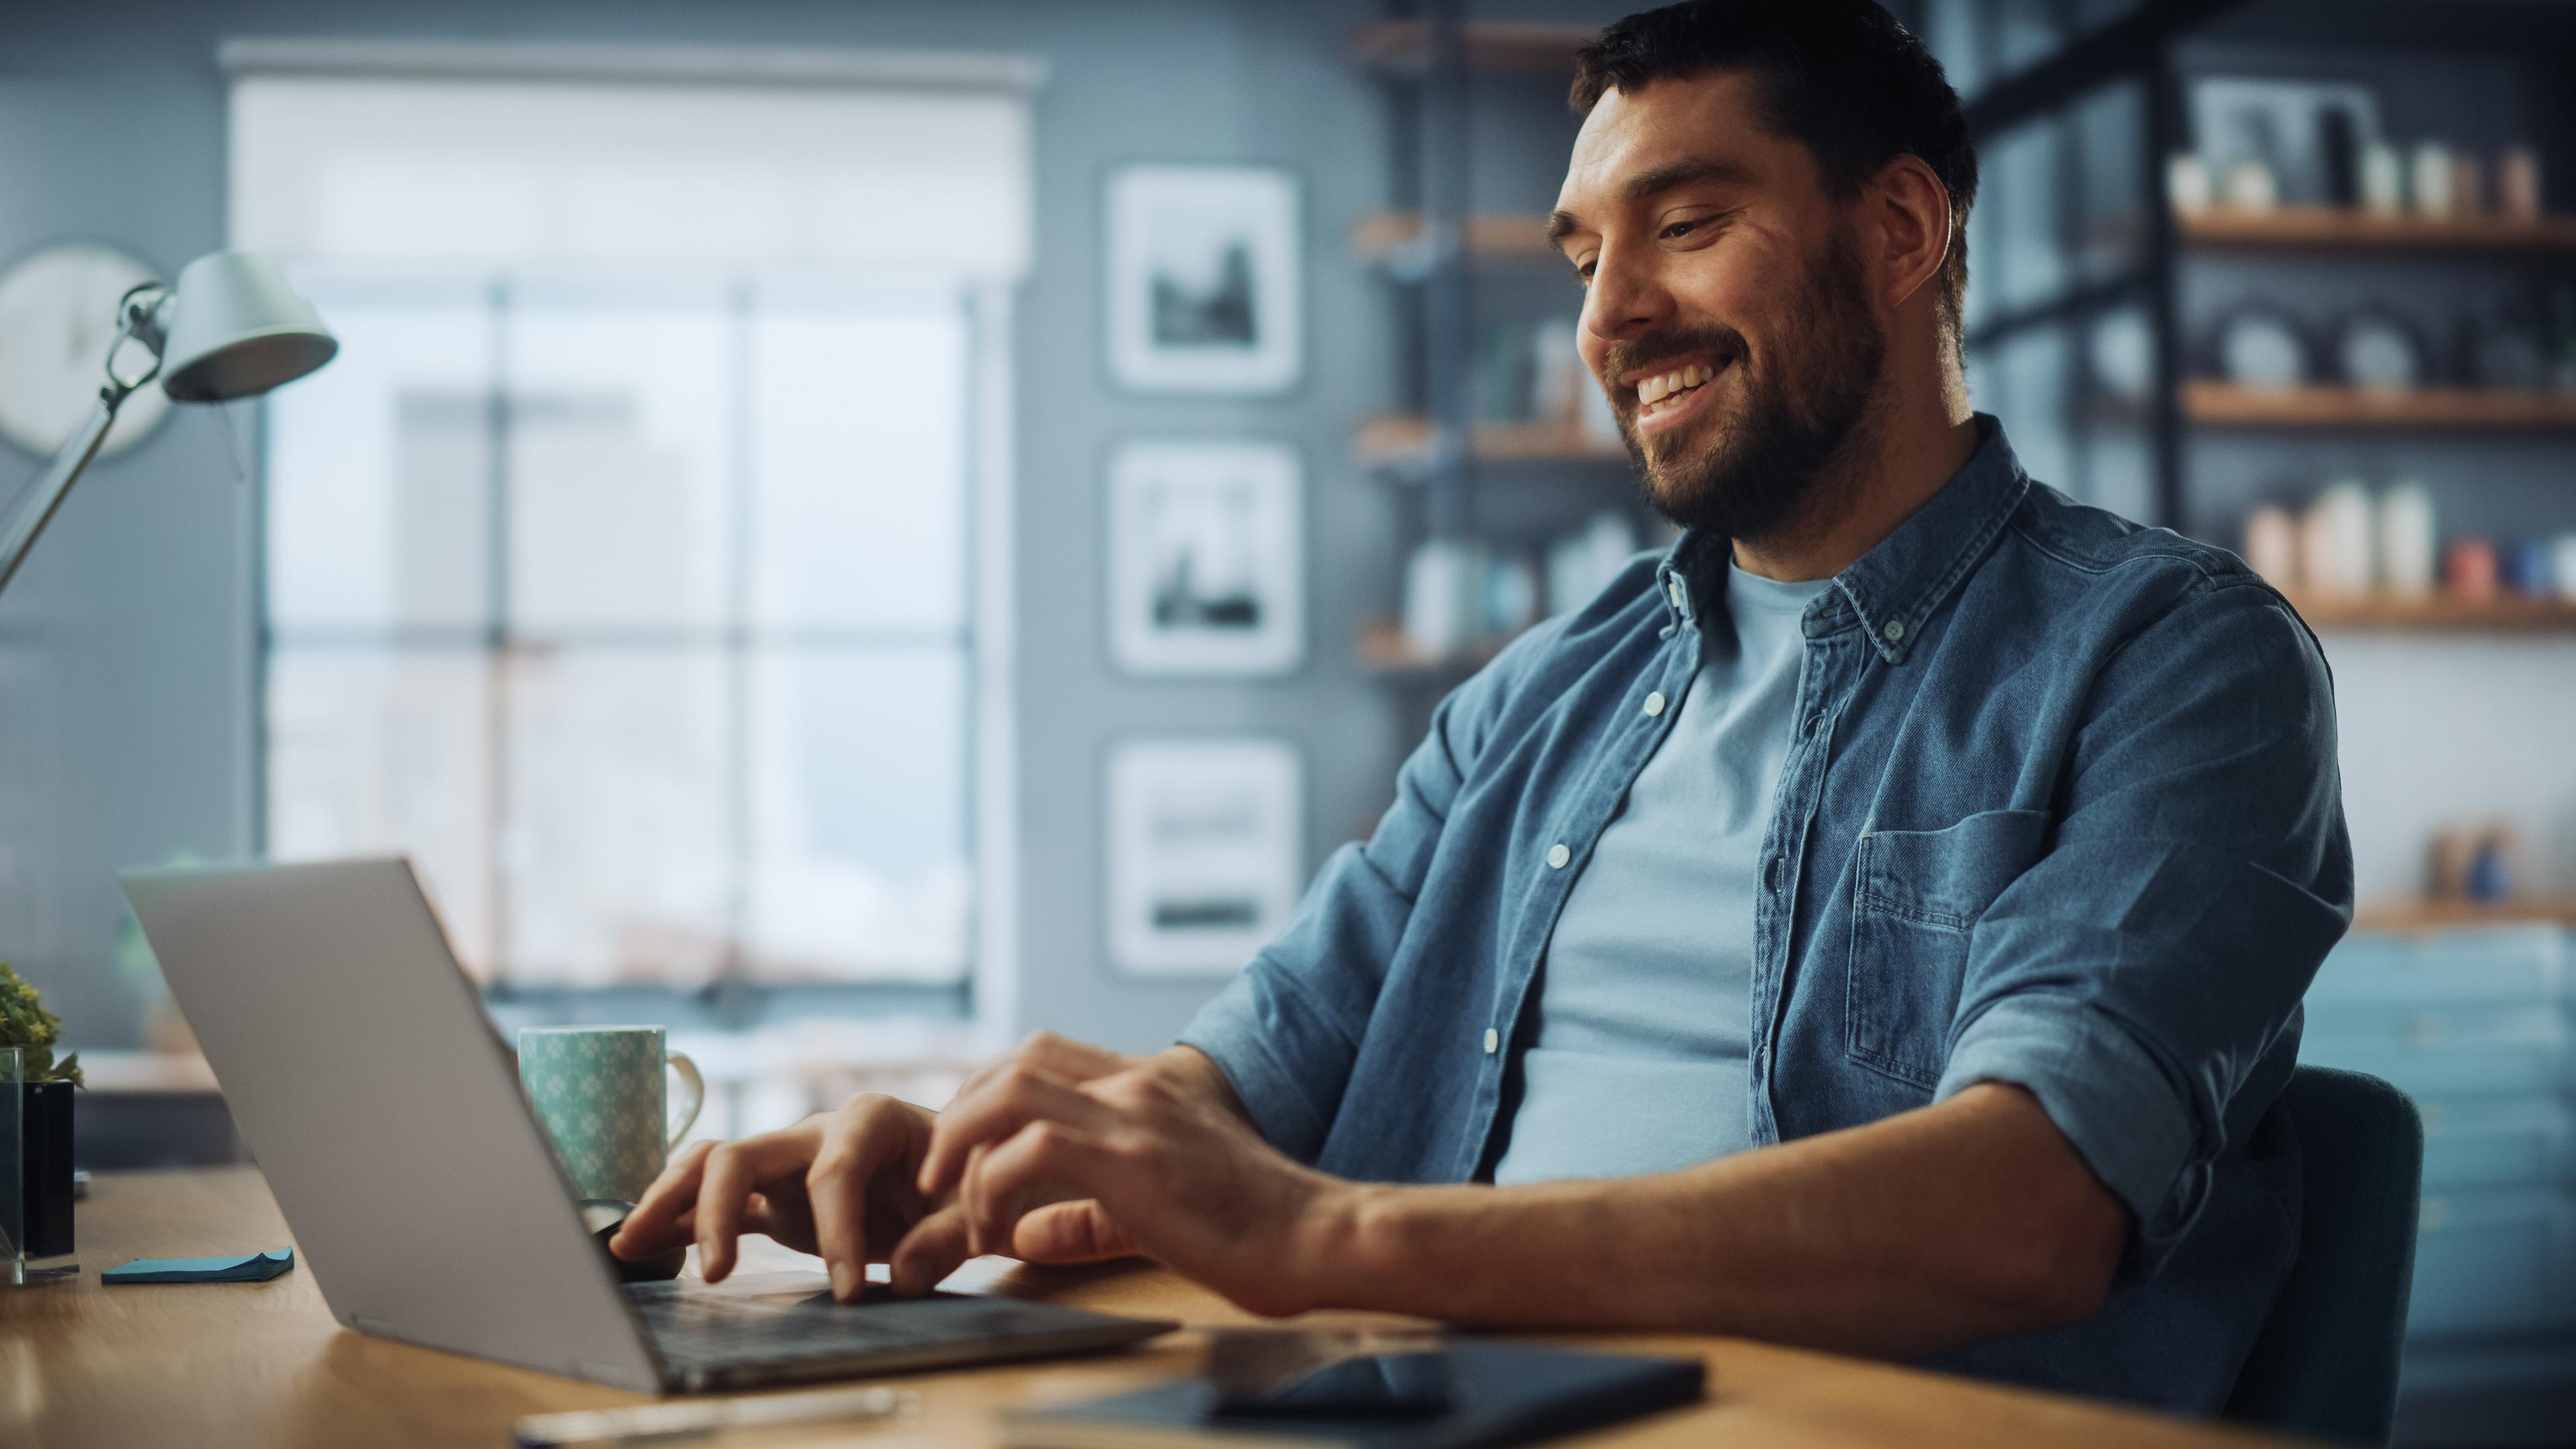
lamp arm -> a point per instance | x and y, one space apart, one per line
37 509
139 319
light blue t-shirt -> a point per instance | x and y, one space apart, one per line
1644 1002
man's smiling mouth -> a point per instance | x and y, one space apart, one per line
1667 394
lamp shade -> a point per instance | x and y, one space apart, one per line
235 329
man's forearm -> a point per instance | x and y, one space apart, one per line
1965 1221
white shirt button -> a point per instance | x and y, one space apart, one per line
1894 631
1493 1041
1557 856
1655 703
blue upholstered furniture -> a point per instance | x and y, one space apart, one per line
2326 1363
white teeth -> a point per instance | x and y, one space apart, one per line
1654 390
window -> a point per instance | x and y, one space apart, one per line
631 567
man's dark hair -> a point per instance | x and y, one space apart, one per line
1840 77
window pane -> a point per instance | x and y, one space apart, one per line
859 469
373 750
618 456
380 471
858 818
618 832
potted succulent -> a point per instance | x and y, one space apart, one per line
45 1137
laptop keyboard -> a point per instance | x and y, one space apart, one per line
695 1328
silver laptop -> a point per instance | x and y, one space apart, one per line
367 1081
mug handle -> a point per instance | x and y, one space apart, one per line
688 1070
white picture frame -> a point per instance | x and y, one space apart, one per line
1207 559
1206 847
1205 287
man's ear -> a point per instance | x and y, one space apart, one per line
1905 228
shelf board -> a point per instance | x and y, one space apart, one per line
1397 46
2319 405
2341 228
1405 444
2409 917
1385 651
1491 238
2434 613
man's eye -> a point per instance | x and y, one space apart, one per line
1680 229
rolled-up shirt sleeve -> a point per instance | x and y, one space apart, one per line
2133 978
1287 1031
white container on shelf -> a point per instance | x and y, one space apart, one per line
1444 596
2187 182
2409 548
2335 543
2383 179
2430 180
2272 545
2562 565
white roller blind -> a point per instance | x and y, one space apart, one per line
372 166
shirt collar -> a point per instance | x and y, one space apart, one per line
1890 590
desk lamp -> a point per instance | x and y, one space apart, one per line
232 328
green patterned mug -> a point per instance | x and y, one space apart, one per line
600 1094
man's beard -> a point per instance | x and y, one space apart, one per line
1761 474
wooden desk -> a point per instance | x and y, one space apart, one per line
263 1364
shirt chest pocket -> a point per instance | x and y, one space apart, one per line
1915 896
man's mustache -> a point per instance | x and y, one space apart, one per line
1623 358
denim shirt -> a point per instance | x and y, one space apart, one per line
2061 810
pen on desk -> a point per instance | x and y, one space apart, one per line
663 1422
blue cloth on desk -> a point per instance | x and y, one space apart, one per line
257 1268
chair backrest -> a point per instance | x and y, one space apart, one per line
2325 1364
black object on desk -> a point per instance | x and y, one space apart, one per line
1463 1394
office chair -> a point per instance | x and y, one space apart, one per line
2325 1364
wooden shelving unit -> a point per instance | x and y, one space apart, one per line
2415 917
2433 613
2317 405
1503 46
2337 228
1490 238
1404 443
1385 651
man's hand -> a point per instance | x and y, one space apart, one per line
853 1185
1063 1151
838 1183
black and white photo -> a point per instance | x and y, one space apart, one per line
1206 558
1204 851
1203 291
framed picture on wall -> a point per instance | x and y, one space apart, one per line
1204 281
1207 566
1206 841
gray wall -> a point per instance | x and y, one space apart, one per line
125 646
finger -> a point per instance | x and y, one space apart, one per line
734 1170
1080 1231
856 1144
1055 1055
648 1229
1007 1178
931 1251
1002 1106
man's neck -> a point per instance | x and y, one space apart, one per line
1894 461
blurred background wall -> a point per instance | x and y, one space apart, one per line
2292 277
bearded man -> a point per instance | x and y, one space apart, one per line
1877 923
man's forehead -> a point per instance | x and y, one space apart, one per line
1632 135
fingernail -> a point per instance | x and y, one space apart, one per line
845 1282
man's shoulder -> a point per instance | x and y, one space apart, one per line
2102 560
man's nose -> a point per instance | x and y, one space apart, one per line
1626 298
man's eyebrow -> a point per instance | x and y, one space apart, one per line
1686 172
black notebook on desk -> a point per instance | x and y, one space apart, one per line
1352 1391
